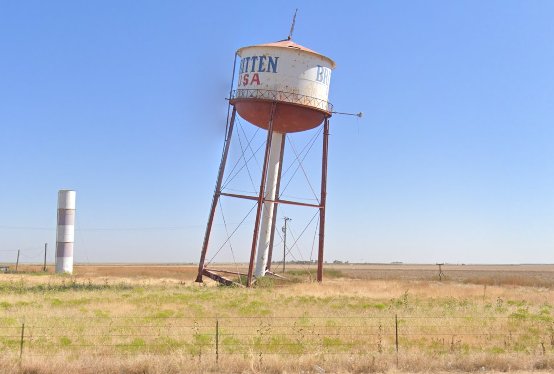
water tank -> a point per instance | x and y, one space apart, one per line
294 76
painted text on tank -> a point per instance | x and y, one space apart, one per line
252 64
323 75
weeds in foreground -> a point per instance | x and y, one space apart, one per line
71 284
126 327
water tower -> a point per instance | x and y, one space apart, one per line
282 87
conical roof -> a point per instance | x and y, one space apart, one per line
287 43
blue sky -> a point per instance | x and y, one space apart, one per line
125 103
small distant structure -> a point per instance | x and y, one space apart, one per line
65 231
441 274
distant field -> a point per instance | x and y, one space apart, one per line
358 271
521 275
155 319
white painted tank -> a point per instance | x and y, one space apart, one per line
294 76
65 231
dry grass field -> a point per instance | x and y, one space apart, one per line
363 318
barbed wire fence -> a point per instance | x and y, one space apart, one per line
216 337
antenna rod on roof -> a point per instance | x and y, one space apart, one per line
292 26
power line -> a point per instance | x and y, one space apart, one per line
153 228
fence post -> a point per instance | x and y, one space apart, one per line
396 336
217 340
21 342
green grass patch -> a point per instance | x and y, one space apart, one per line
101 313
5 305
265 282
21 287
230 344
69 303
331 342
254 308
134 345
520 314
302 273
65 341
168 344
166 313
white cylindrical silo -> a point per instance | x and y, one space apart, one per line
65 231
268 209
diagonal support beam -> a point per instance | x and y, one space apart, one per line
217 193
219 278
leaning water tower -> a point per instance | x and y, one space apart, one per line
283 88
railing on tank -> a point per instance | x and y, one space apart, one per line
288 97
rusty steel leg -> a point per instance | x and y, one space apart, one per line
323 200
261 196
274 220
217 193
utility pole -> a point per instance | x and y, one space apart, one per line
285 241
17 262
45 249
